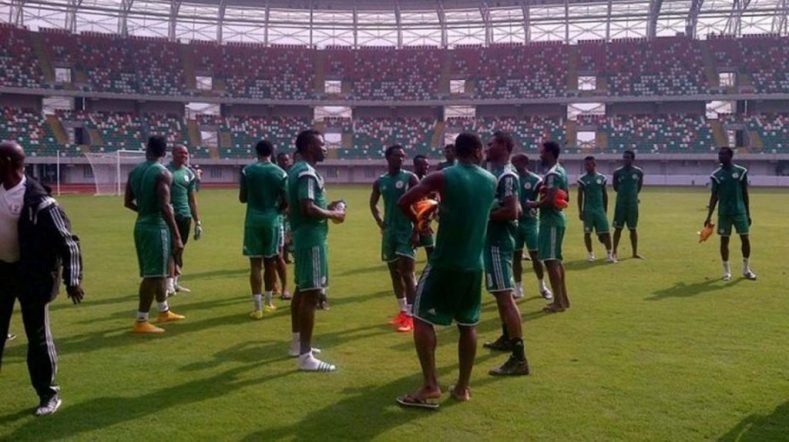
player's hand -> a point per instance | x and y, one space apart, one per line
198 231
381 225
581 216
337 215
178 245
750 221
707 222
75 293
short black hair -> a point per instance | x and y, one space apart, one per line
589 158
629 152
504 138
466 143
282 154
552 147
450 146
157 145
304 138
727 149
264 148
392 148
419 157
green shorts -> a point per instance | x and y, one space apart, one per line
262 241
498 268
626 214
551 238
154 247
427 241
311 267
740 223
444 295
526 235
394 245
596 222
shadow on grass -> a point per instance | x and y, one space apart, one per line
582 264
367 412
683 290
62 301
103 412
758 428
356 299
215 274
176 303
364 270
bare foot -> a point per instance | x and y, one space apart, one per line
553 308
637 256
461 395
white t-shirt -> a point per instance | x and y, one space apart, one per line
11 201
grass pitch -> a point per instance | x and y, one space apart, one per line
651 350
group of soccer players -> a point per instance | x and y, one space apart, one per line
490 207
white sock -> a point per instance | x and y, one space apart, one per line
746 265
403 303
297 337
269 297
726 267
258 298
541 285
163 307
170 284
142 316
610 253
410 311
519 286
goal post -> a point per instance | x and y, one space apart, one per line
110 169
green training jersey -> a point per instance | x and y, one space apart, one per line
142 180
502 233
469 191
444 164
184 182
392 187
266 187
305 183
555 178
626 180
529 190
593 186
728 183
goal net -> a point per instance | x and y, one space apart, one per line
110 169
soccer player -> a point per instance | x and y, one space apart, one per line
184 199
156 234
397 248
421 169
498 253
628 181
593 208
528 228
284 162
449 288
449 154
264 190
308 222
552 225
730 189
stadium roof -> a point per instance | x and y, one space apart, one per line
444 23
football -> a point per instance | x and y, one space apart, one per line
425 211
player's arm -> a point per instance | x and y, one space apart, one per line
129 198
375 196
163 182
283 195
713 201
580 200
605 196
242 189
308 206
546 200
640 181
616 183
510 209
58 228
432 183
745 197
193 205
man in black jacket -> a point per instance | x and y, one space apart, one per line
37 248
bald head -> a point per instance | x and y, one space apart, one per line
180 155
12 160
520 161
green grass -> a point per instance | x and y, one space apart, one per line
651 350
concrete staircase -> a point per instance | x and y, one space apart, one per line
572 69
57 129
43 58
320 72
710 68
571 132
718 133
756 142
446 74
193 131
96 139
188 63
438 134
601 140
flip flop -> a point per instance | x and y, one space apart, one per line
550 309
286 296
456 397
412 401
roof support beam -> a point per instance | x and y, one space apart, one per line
525 7
123 28
266 23
781 17
399 24
17 12
567 21
220 20
734 24
693 18
442 20
654 14
71 15
484 11
175 6
608 21
355 27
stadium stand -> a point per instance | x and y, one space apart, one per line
528 132
371 136
764 57
19 66
658 133
157 64
28 128
773 130
246 131
256 71
170 126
